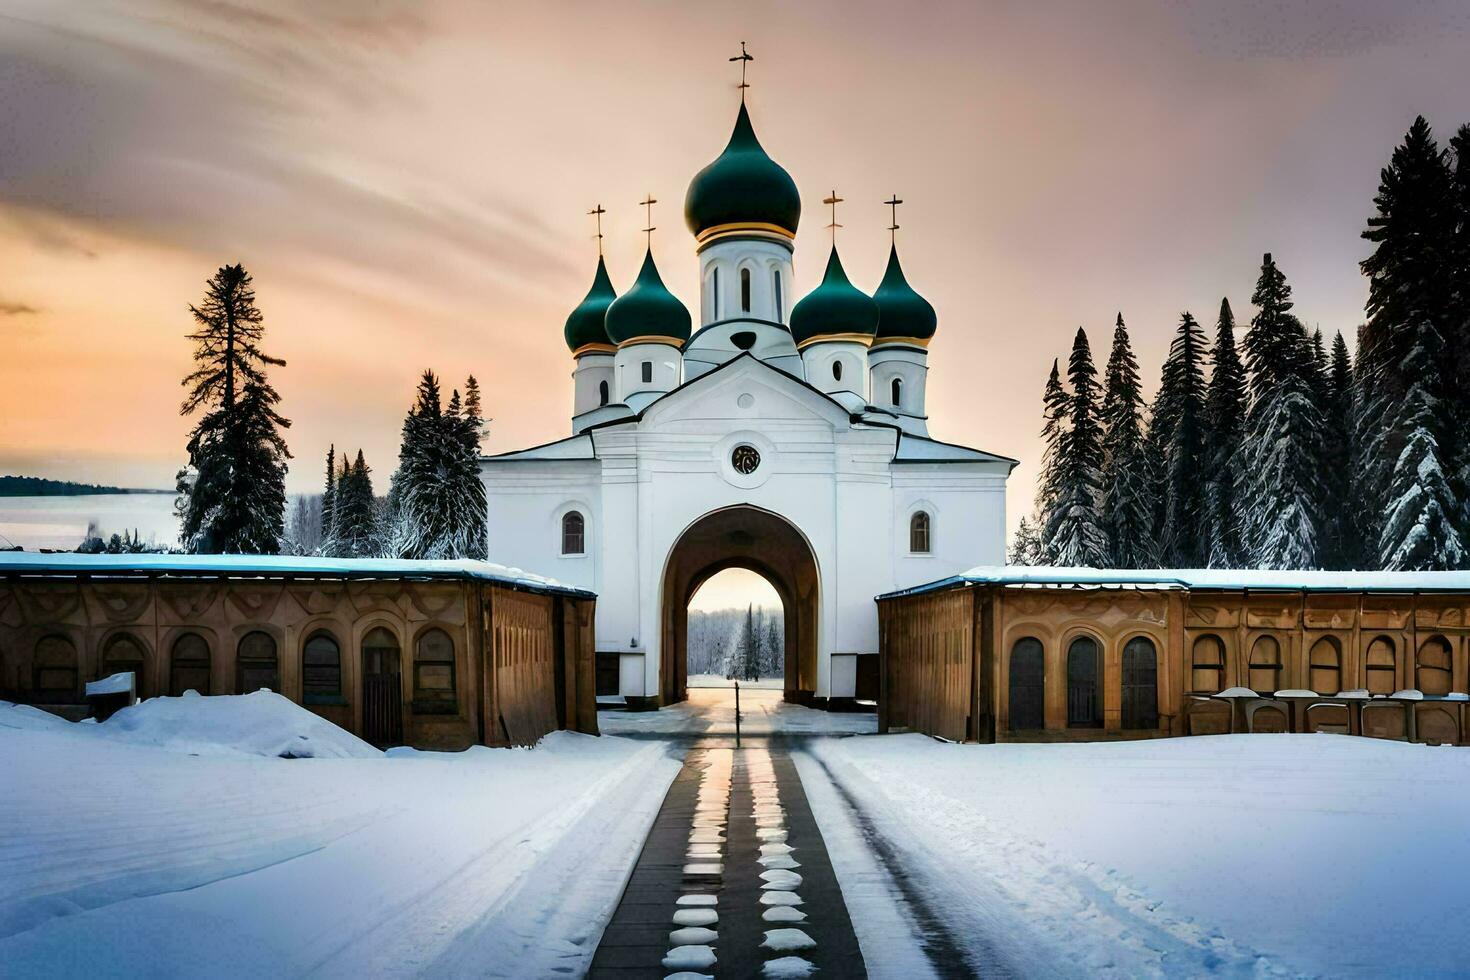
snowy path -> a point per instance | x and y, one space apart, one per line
489 862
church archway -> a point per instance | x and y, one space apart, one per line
764 543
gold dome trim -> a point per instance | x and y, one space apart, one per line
862 338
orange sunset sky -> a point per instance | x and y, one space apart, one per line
408 184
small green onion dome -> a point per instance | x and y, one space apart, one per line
743 186
647 309
836 308
585 324
902 312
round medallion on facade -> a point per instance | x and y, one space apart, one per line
744 459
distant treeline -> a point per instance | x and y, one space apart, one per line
37 486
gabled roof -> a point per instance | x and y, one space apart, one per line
578 446
922 449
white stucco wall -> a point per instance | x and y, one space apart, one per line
836 482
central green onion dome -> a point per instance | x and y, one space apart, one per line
743 188
647 311
904 314
835 310
585 327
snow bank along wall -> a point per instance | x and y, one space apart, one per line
1024 656
435 655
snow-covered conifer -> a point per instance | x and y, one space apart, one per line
1184 541
1054 409
1126 487
1078 538
1224 425
1025 545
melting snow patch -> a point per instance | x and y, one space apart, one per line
784 939
780 878
788 967
689 958
780 898
783 913
696 917
692 936
696 900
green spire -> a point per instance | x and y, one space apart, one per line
585 324
903 312
647 309
835 307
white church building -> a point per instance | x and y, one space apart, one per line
785 437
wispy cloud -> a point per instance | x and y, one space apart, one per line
8 308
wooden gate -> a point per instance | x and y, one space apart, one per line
1140 684
1027 685
1082 686
525 659
382 690
928 668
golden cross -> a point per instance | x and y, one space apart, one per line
745 58
648 202
833 201
598 212
893 203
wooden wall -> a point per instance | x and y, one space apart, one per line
1327 643
540 646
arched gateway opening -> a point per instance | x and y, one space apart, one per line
758 540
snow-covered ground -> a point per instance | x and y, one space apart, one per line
1245 854
173 840
719 680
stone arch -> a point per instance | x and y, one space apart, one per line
1082 662
742 536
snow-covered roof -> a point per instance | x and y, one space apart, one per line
573 447
273 566
1229 579
921 449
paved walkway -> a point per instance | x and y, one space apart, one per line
734 879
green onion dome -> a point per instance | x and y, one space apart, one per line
903 313
647 311
585 328
835 310
743 189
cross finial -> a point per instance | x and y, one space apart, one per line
598 212
648 202
893 203
832 202
745 58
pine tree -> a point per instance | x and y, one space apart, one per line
1339 548
775 659
1184 541
329 495
1282 445
477 533
1054 408
1410 312
437 502
1457 338
356 525
1026 545
1126 490
1224 425
1079 539
236 499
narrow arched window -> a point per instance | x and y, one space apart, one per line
1325 663
744 290
189 665
919 533
125 653
1207 666
54 671
1432 672
715 292
321 669
1027 685
1084 683
433 673
255 663
1382 666
780 297
602 393
836 370
573 533
895 388
1265 665
647 372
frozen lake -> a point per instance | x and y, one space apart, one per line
61 522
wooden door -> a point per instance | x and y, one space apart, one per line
382 692
1140 684
1028 685
1084 704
